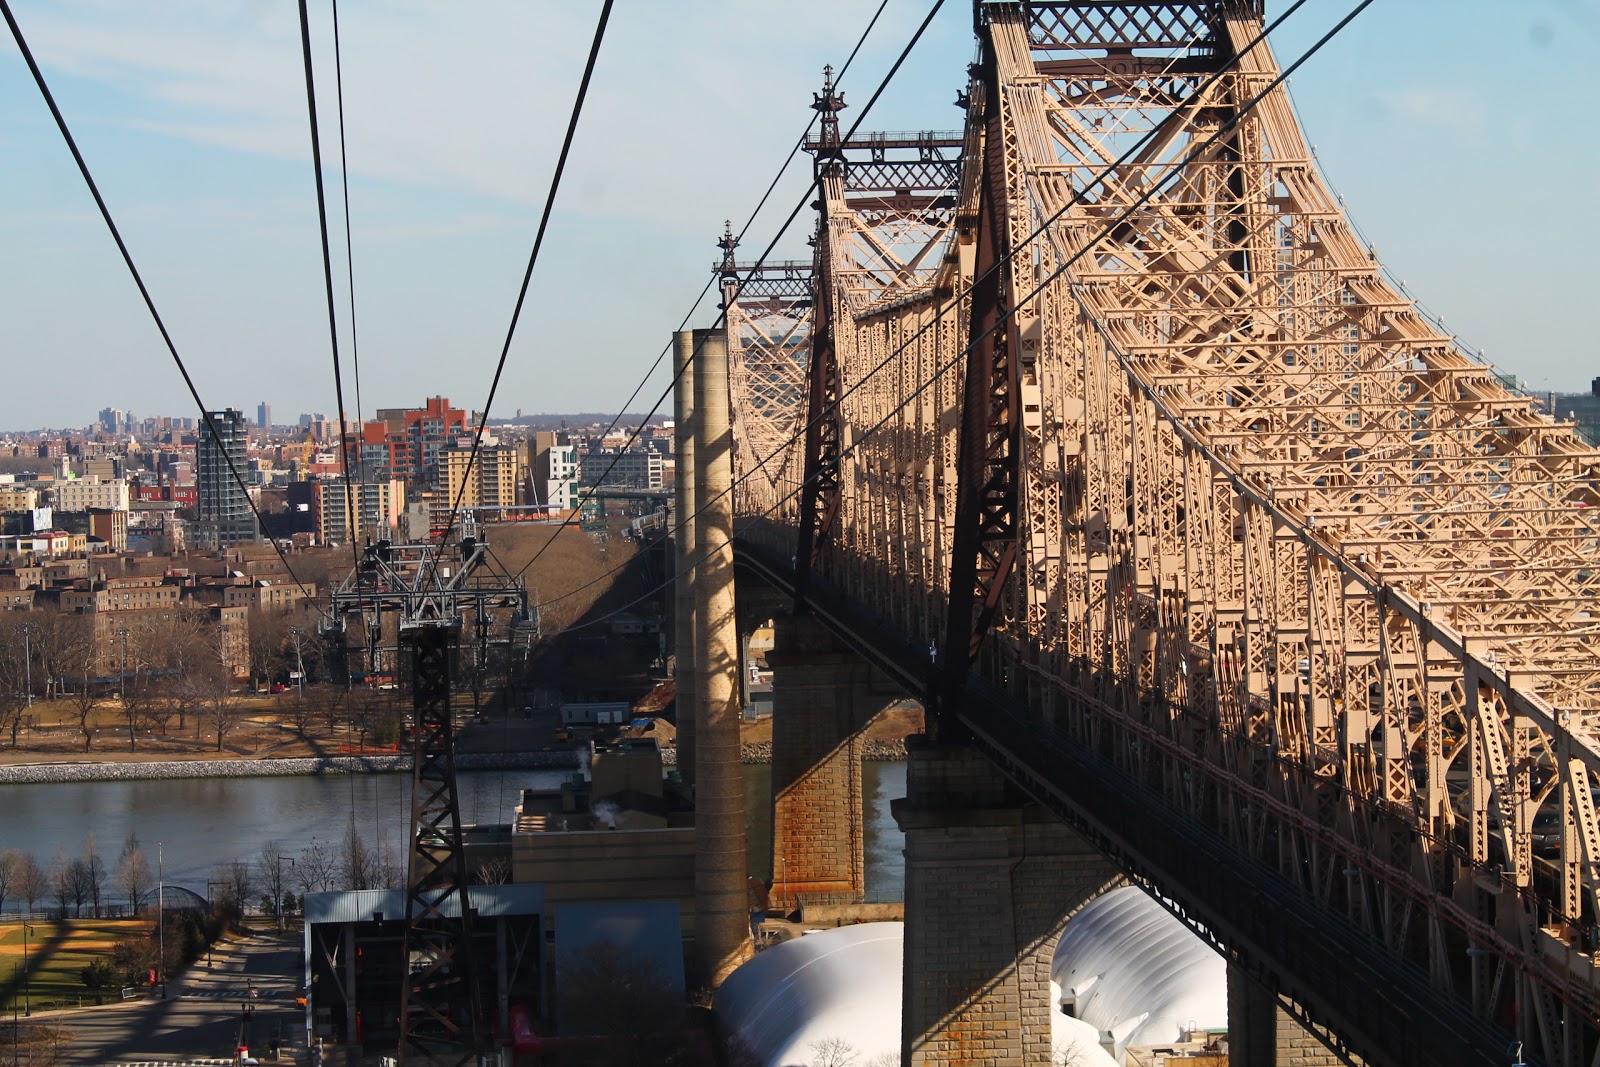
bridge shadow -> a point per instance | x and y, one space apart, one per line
40 953
1203 826
610 650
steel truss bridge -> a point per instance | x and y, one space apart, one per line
1102 399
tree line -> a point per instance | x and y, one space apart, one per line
274 881
159 666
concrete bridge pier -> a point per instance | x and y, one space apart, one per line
990 882
1262 1034
824 696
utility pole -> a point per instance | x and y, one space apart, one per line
122 687
161 921
299 664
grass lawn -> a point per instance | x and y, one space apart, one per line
57 953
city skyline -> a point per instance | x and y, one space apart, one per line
192 118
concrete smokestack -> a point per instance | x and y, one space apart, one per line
722 917
688 701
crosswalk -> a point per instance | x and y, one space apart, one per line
175 1063
232 994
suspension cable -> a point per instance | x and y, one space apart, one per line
1098 179
711 281
1155 187
349 247
352 519
533 258
722 316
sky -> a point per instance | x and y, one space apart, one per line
1457 131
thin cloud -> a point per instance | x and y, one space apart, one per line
1457 110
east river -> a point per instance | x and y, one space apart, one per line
200 823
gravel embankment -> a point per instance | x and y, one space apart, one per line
877 751
38 773
41 773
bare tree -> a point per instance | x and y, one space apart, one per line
299 712
133 873
36 1045
61 643
833 1052
94 870
316 870
355 868
496 871
269 870
13 708
10 861
73 883
185 647
33 882
85 667
236 881
215 688
269 633
13 678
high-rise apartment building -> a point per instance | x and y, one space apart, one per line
225 515
405 443
378 506
492 481
264 415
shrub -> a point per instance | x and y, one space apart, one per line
99 974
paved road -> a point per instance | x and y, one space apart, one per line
200 1020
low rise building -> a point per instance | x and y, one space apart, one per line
82 494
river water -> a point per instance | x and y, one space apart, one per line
200 823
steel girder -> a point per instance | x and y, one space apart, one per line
989 448
1267 513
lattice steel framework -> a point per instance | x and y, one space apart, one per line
768 326
1283 549
431 591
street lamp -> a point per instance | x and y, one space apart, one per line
211 912
161 921
122 632
27 981
28 630
299 664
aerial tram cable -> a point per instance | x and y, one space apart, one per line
722 316
1106 230
533 257
712 281
352 518
138 281
1037 232
349 247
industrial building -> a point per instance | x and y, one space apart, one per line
606 859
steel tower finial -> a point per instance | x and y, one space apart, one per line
828 104
727 243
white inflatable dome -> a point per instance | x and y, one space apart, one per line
837 988
1131 968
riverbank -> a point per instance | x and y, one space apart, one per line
41 773
545 759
